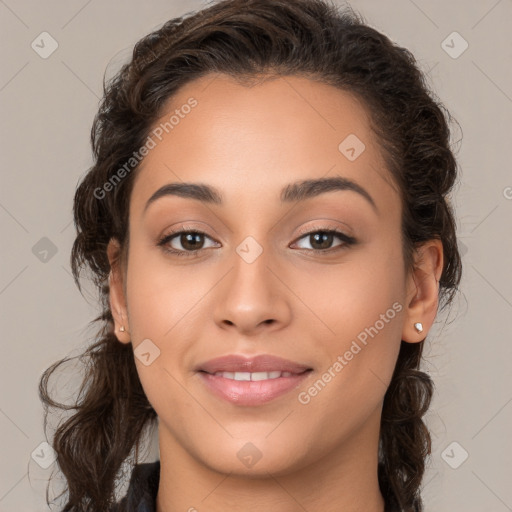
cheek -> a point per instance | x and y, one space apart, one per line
346 298
160 309
167 314
361 308
160 294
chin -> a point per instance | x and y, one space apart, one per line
254 459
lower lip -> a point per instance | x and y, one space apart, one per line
245 392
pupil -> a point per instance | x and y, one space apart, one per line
189 240
325 239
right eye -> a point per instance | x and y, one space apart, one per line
191 242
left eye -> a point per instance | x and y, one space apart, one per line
324 238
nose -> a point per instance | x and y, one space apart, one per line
252 297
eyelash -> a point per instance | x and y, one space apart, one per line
348 241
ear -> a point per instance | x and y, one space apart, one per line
117 297
422 290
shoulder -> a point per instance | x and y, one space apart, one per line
142 489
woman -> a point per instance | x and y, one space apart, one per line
267 220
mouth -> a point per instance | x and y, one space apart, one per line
251 381
252 389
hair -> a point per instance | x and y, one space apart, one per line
247 40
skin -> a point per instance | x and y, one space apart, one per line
292 301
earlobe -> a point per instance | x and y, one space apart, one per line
117 298
422 297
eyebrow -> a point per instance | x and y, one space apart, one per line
293 192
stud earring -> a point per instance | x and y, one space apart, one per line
418 326
121 329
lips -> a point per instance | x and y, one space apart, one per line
251 393
263 363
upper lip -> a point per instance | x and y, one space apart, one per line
261 363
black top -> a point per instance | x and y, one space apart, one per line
142 490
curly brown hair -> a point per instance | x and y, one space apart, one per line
245 39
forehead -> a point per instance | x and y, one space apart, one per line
251 141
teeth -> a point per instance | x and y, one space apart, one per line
253 375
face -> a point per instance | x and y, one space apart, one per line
315 278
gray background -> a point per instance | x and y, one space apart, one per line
47 107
